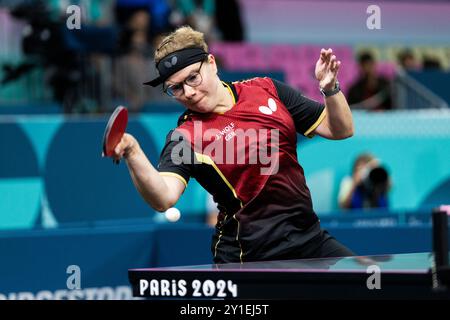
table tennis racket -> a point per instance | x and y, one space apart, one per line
114 131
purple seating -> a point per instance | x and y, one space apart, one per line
296 61
281 57
309 52
245 57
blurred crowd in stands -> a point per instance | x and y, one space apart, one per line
113 49
104 63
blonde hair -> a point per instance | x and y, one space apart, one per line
182 38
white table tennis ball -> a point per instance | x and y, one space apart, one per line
173 214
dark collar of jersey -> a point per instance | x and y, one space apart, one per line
232 88
176 61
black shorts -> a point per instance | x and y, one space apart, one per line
321 245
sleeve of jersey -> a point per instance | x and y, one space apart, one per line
307 113
173 161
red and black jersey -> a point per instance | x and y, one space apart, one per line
247 159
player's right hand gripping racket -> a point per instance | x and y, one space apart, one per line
114 131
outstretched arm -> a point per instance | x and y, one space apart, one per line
161 192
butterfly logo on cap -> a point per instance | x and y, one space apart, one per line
171 63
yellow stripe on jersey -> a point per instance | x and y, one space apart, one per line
176 175
207 160
316 124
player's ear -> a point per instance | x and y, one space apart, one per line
212 62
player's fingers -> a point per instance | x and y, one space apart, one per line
329 56
125 145
116 157
329 52
323 54
331 65
121 146
336 65
332 61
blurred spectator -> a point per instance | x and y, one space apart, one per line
159 10
96 12
370 91
134 65
65 55
407 61
431 63
368 186
199 14
228 20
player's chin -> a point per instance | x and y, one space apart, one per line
201 106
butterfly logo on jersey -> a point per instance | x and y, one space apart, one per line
269 109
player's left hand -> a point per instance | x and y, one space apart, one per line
327 67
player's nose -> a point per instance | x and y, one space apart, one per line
189 92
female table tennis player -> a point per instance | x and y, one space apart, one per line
265 206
